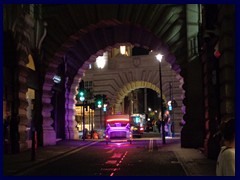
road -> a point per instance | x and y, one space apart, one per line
144 157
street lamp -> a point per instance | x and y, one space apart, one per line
159 58
101 62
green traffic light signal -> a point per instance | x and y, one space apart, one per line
100 100
81 93
99 103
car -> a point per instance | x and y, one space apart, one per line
137 130
118 129
137 126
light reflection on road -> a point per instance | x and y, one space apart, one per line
115 160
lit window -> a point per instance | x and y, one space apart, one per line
123 50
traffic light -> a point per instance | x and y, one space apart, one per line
170 105
104 107
98 101
101 101
82 94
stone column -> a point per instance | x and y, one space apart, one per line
193 132
227 61
49 134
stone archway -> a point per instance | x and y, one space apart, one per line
81 47
116 80
132 86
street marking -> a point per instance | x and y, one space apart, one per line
111 150
117 155
111 162
150 146
110 169
115 160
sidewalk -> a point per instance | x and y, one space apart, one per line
192 160
13 164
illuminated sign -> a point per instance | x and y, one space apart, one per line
57 79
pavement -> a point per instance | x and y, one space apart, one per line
192 160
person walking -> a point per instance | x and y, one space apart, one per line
226 158
166 118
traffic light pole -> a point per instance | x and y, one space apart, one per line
89 119
84 133
100 117
92 125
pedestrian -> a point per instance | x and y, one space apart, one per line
166 118
159 122
154 124
226 158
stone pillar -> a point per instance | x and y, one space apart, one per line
22 108
71 131
219 80
227 61
192 134
49 135
22 34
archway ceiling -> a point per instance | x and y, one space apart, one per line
165 22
